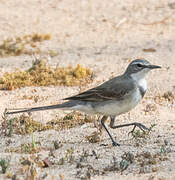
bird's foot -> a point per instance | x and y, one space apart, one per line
114 143
140 126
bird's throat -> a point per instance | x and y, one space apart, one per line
142 85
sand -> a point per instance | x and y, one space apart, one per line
103 36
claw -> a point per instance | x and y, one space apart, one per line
115 144
130 132
140 126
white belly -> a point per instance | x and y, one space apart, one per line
119 107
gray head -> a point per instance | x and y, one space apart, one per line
138 68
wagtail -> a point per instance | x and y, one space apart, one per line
110 99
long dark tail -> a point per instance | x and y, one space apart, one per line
67 105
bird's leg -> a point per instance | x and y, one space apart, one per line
135 124
114 143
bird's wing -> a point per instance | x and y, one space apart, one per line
114 89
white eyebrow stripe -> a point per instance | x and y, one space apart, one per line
139 63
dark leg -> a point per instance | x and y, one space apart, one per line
104 118
135 124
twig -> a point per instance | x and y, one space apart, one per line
4 125
155 22
122 21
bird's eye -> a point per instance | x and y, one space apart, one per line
139 65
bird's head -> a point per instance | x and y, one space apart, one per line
138 68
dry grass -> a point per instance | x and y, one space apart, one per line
168 97
25 124
41 74
27 44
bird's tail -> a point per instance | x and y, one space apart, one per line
66 105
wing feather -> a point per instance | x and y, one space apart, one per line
114 89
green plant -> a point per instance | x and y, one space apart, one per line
4 165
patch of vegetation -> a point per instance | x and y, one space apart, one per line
151 160
142 133
150 108
86 170
28 168
127 159
35 98
24 124
167 96
71 120
145 161
4 165
113 166
140 136
93 138
27 148
10 127
57 145
69 157
27 44
41 74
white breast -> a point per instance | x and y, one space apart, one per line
139 77
142 82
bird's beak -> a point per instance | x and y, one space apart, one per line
153 66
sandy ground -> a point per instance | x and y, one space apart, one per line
104 36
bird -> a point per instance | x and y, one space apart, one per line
110 99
